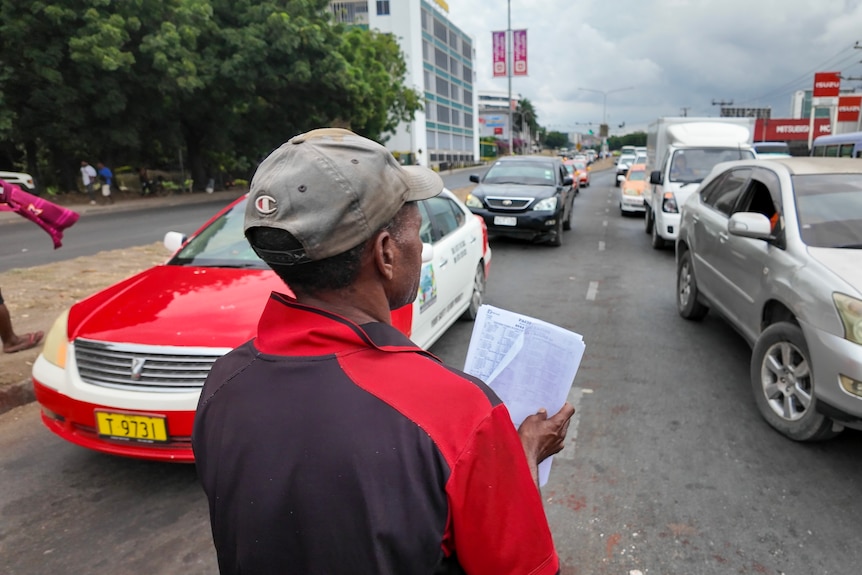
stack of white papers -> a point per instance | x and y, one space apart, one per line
529 363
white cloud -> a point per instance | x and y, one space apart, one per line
676 53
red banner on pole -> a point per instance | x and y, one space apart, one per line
827 84
519 52
848 108
499 51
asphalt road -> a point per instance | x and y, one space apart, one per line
670 469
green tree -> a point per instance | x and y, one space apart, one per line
556 139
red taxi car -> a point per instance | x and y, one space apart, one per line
120 371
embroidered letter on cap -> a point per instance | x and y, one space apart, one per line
265 205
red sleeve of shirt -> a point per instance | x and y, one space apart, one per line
497 523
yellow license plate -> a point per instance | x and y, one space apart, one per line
132 426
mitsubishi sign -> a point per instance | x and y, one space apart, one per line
827 84
785 130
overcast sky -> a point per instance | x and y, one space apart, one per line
674 53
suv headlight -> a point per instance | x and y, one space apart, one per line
850 311
473 202
546 205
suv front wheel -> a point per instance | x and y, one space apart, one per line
783 384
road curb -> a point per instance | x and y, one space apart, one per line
16 395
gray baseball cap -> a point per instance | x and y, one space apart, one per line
331 189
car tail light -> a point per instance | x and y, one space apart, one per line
484 236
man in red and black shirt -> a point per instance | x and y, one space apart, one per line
330 443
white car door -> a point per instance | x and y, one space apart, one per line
446 282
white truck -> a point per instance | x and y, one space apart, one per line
681 151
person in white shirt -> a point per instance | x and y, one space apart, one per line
88 176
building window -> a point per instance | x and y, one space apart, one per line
426 76
456 118
466 49
467 74
453 40
468 97
440 30
430 111
453 67
425 17
383 7
442 87
441 59
426 51
468 120
442 114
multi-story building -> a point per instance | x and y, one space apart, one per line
440 63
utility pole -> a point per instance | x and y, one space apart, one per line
509 66
685 111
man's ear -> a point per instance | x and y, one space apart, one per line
383 249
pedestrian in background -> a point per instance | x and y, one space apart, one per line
330 444
107 178
88 177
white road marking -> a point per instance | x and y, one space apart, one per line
571 443
592 291
601 246
605 223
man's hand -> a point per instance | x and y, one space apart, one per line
543 436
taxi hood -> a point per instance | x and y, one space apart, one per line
178 306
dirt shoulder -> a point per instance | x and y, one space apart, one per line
36 296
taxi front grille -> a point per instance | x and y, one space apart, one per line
503 203
144 367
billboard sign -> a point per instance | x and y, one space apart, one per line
499 52
789 129
848 108
519 52
827 84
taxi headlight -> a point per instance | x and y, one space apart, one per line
57 341
546 205
472 201
850 311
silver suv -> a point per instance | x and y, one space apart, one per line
775 247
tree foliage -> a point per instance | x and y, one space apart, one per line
217 82
556 139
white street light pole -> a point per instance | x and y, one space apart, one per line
604 94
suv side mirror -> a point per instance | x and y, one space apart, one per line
655 177
568 181
474 178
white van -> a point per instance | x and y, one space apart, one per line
681 152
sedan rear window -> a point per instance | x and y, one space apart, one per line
525 173
829 210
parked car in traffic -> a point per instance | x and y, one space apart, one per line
583 172
121 371
632 189
528 197
624 162
775 248
20 179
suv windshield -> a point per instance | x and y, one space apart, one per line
221 244
693 165
521 172
829 210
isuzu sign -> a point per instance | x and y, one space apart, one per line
848 108
827 84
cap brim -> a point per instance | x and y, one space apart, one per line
423 183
